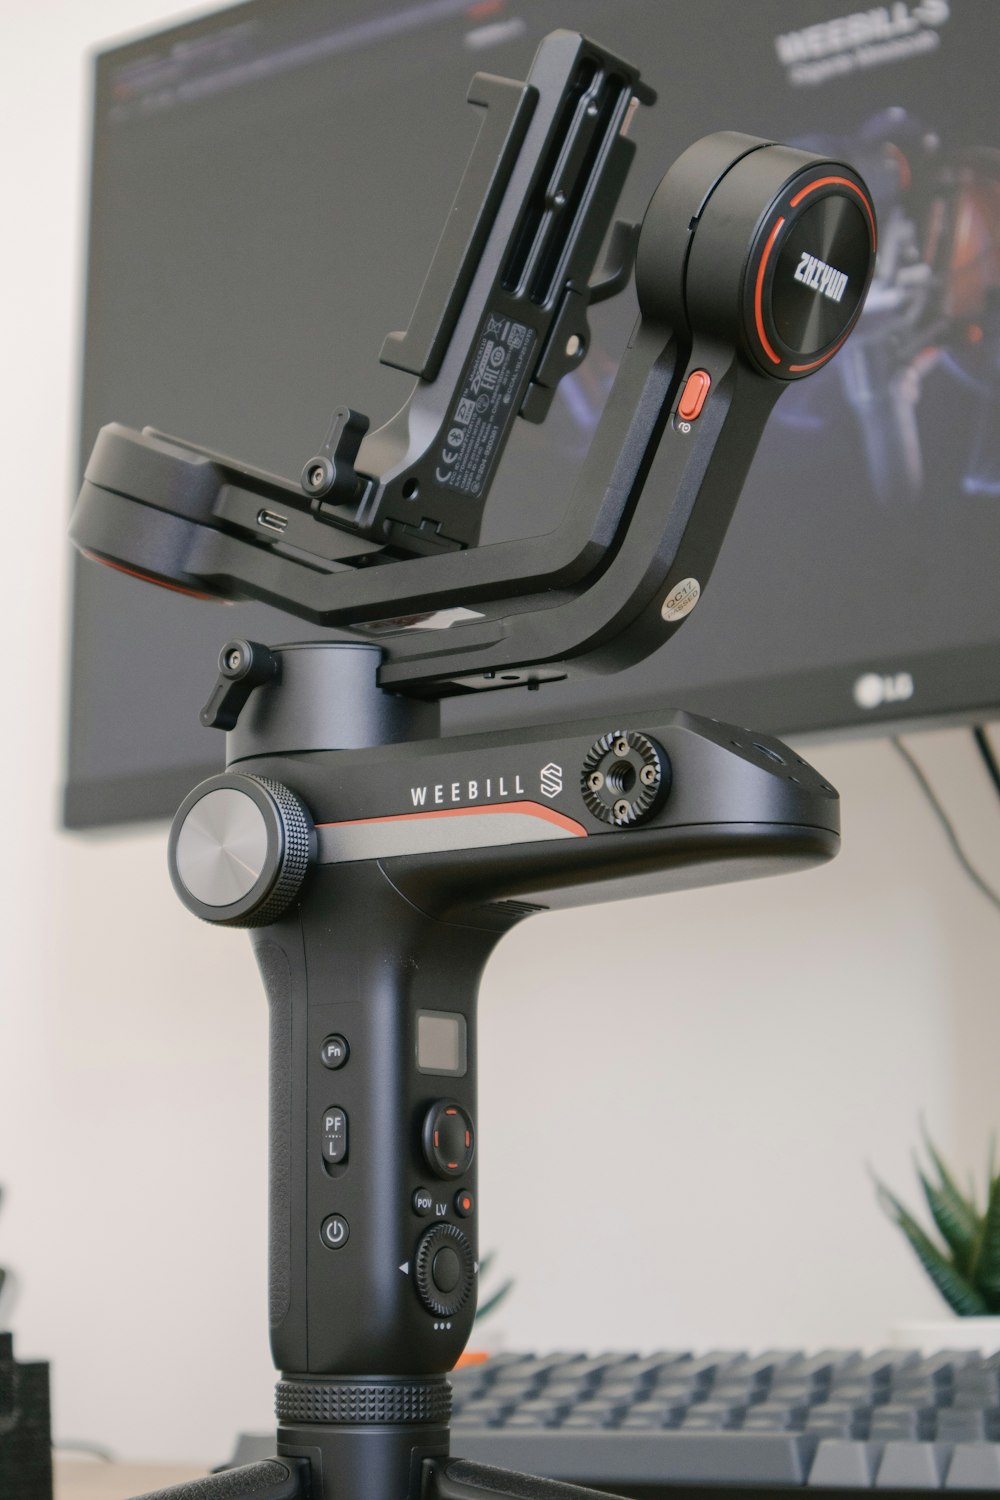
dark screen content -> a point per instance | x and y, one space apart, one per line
264 211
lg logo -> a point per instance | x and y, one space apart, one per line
872 690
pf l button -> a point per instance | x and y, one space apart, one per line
693 395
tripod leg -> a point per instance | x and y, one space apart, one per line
460 1479
274 1479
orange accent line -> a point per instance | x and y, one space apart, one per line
526 809
161 583
451 1111
453 1165
811 187
758 295
823 358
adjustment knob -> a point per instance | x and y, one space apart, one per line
444 1269
239 849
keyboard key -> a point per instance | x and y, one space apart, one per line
775 1416
627 1458
841 1464
974 1466
960 1425
915 1466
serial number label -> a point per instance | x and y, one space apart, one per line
486 405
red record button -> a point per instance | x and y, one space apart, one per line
693 395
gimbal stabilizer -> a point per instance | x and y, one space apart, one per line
378 863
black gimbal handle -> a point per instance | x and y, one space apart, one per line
347 973
377 880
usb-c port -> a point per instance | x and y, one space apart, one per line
271 521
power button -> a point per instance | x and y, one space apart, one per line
335 1232
693 396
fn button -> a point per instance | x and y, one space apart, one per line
334 1052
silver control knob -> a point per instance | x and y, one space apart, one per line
239 849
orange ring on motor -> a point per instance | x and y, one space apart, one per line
758 305
161 583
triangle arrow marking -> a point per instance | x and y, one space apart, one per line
405 1268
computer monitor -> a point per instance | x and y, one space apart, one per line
268 187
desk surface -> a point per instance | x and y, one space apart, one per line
87 1479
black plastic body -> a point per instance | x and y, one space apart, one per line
427 851
508 288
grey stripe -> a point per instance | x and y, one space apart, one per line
342 843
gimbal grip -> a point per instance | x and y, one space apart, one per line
373 1250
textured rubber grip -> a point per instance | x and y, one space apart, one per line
271 1480
363 1402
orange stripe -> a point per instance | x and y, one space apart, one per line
758 296
175 588
823 357
837 182
526 809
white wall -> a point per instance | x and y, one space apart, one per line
717 1067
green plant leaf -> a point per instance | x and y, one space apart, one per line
492 1302
959 1294
948 1183
986 1267
958 1223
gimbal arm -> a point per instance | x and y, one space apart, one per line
751 268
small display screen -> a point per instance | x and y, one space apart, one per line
441 1042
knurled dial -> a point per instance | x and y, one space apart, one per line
239 849
444 1270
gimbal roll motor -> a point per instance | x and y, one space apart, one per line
378 863
761 246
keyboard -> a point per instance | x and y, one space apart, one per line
642 1426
